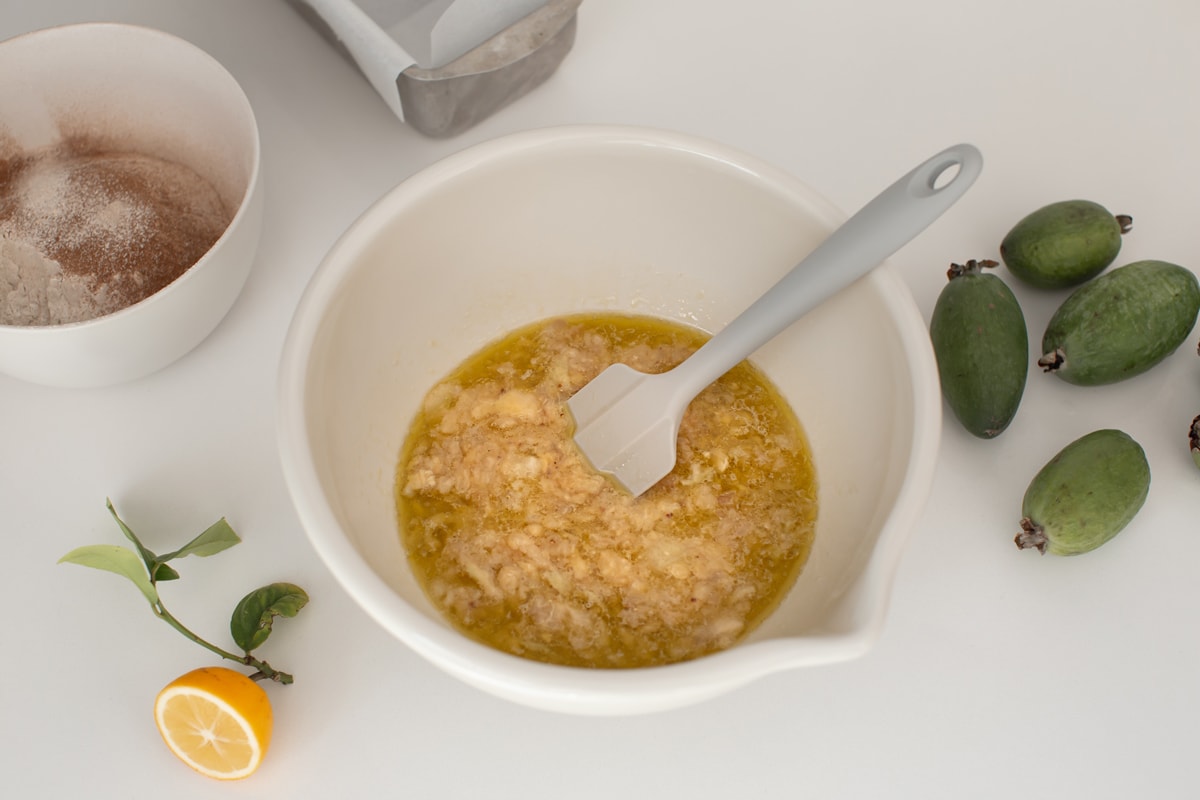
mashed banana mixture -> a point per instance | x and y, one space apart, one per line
524 546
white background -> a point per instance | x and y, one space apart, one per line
1001 674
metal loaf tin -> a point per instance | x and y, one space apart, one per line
447 99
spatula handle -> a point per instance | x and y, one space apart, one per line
879 229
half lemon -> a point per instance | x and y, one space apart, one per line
216 720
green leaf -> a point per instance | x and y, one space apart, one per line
114 558
252 619
163 572
148 556
217 537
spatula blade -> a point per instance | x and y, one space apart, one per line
625 427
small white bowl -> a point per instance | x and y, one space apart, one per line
563 220
155 94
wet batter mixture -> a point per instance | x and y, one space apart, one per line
525 547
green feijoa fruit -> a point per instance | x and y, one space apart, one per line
1085 495
1121 324
982 348
1064 244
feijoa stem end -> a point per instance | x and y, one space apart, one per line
1124 222
1052 360
1194 440
972 267
1031 537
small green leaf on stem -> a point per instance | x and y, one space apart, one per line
164 572
252 618
114 558
148 557
217 537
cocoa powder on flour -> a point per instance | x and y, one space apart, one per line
85 231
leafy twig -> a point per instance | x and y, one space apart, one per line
252 618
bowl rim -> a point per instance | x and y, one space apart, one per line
574 689
245 202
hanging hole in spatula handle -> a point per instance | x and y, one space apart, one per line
942 179
880 228
896 215
942 171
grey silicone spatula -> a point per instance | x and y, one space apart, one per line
626 421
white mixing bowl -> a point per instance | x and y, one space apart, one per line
564 220
151 93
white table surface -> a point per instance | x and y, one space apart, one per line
1000 674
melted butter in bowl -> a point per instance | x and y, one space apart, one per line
523 546
555 223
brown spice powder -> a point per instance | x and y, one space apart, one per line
120 225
